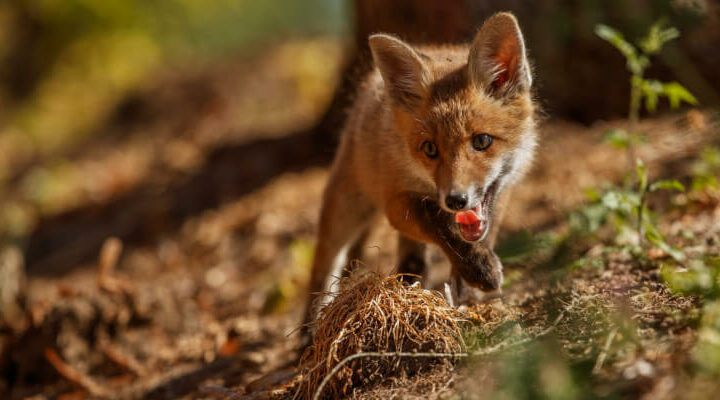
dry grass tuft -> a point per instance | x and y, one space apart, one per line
378 314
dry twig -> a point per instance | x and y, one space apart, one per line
107 261
75 376
603 354
123 359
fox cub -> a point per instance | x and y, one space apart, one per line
435 141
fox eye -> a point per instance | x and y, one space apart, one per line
430 149
482 141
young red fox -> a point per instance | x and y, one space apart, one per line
435 140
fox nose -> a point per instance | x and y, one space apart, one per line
456 201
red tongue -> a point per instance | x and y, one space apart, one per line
466 217
471 226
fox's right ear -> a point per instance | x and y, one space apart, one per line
405 74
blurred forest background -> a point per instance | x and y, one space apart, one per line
150 121
77 73
73 73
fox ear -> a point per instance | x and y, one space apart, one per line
497 62
405 74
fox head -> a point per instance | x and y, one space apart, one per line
465 114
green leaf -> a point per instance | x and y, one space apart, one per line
636 64
656 238
676 94
670 184
651 90
699 277
621 202
615 38
657 36
592 194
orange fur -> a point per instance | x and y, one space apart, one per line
445 95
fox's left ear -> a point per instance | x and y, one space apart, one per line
497 62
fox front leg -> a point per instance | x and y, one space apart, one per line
423 220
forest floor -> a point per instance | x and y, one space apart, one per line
183 274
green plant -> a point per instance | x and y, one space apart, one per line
626 209
637 61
